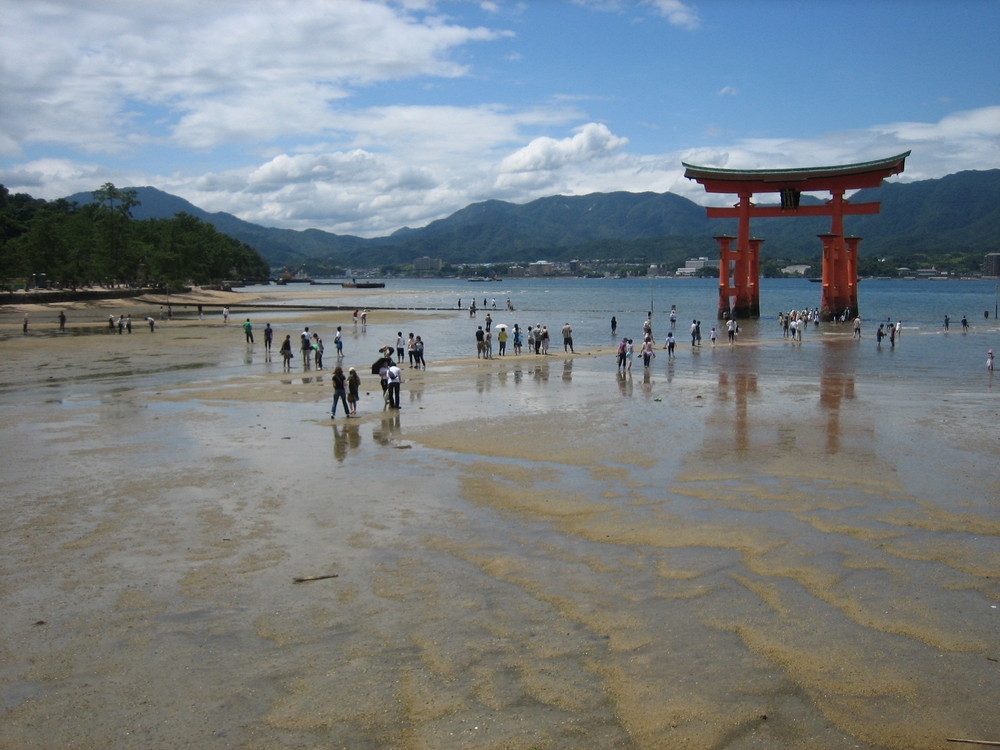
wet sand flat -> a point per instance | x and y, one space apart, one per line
532 553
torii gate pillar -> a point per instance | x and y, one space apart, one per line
840 276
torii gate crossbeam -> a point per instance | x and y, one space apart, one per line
739 273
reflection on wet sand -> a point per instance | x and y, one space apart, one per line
836 384
345 437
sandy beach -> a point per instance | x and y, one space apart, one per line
534 552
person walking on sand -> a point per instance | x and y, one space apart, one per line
694 333
306 347
395 377
286 353
24 325
152 323
480 343
62 320
353 389
339 392
731 329
629 351
671 343
268 338
621 354
410 340
545 339
225 316
517 339
531 339
614 325
567 334
989 360
418 353
857 328
318 349
946 322
400 346
502 341
965 324
647 352
248 330
713 334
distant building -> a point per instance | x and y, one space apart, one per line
991 264
797 269
693 265
427 264
540 268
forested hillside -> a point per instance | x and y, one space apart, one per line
101 243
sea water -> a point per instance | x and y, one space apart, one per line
952 359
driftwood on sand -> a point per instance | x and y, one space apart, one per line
975 742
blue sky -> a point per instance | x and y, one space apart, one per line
360 117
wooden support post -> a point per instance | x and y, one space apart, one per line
828 305
852 274
725 256
741 275
753 277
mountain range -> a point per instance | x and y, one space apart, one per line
959 213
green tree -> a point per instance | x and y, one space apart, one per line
114 216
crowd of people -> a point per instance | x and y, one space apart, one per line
410 348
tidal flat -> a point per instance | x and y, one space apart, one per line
534 552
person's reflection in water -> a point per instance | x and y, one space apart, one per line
346 437
624 383
387 429
567 374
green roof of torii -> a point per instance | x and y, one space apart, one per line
865 174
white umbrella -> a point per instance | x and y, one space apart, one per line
500 326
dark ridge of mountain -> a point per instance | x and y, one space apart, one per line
956 213
279 247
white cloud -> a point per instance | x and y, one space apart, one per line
215 71
676 12
592 141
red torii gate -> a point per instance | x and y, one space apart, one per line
739 272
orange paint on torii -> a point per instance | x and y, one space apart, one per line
739 269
